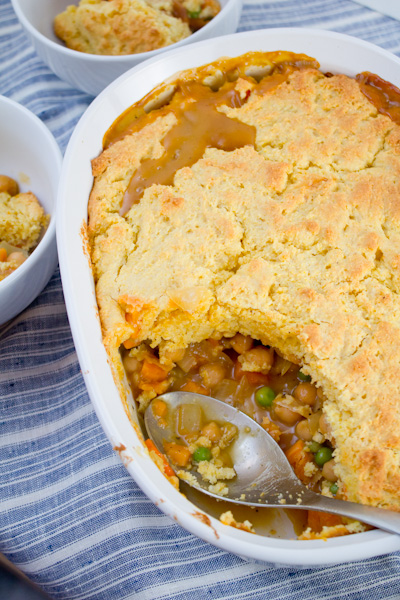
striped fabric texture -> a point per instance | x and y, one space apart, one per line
70 515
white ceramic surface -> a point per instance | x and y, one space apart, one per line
336 53
91 73
30 155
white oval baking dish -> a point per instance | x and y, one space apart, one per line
336 53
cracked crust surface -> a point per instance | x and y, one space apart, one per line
295 242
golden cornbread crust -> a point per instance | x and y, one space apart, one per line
117 27
295 242
21 220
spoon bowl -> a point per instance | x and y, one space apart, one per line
263 473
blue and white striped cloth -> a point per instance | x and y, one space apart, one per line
70 515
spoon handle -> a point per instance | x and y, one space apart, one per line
378 517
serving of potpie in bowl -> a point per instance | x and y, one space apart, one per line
232 216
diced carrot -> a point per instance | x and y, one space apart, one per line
256 378
329 520
152 372
152 448
3 254
193 386
177 454
316 520
159 408
292 453
298 460
129 343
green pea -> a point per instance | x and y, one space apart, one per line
201 453
323 455
334 488
265 396
314 447
303 377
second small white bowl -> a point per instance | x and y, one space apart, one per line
91 73
29 154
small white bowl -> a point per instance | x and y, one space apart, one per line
30 155
336 53
92 73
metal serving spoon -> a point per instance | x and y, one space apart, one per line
263 473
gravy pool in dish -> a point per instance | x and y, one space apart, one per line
256 200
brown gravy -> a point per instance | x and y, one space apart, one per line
201 125
383 95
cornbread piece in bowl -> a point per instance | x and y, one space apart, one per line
21 219
22 223
118 27
246 266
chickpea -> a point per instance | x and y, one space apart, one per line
8 185
131 364
319 401
303 431
212 373
328 470
241 343
306 393
323 425
17 258
175 355
285 415
259 359
313 422
212 431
